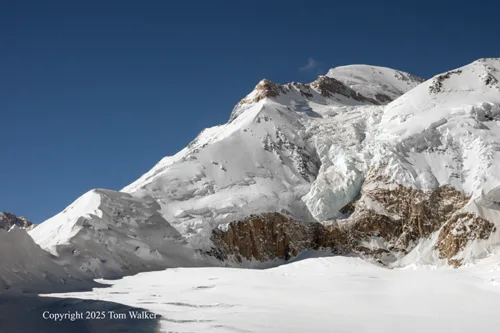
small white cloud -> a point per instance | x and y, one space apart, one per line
312 67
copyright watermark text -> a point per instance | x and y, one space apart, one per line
98 315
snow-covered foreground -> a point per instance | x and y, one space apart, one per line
327 294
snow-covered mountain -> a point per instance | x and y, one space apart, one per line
303 166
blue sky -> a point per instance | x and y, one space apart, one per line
94 93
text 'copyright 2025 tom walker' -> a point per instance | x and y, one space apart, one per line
99 315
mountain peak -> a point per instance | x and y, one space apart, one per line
265 88
344 85
380 83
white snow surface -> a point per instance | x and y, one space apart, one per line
305 157
24 266
447 137
110 233
328 294
371 81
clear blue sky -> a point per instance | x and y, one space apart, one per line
94 93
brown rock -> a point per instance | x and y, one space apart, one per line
459 231
272 236
328 86
265 88
408 216
413 213
324 85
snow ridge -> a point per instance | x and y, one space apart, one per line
380 83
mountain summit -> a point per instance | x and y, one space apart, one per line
380 83
365 160
346 85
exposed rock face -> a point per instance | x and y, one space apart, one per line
383 99
349 208
410 213
328 86
407 216
408 77
265 88
490 80
324 85
437 83
458 232
7 220
272 236
302 88
262 237
304 161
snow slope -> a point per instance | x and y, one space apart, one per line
450 128
330 294
304 150
380 83
109 233
24 266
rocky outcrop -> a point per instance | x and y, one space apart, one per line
323 85
437 83
262 237
490 80
271 236
305 162
328 86
458 231
303 88
265 88
7 220
383 98
406 216
410 214
408 77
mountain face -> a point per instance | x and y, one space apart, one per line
8 220
364 160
